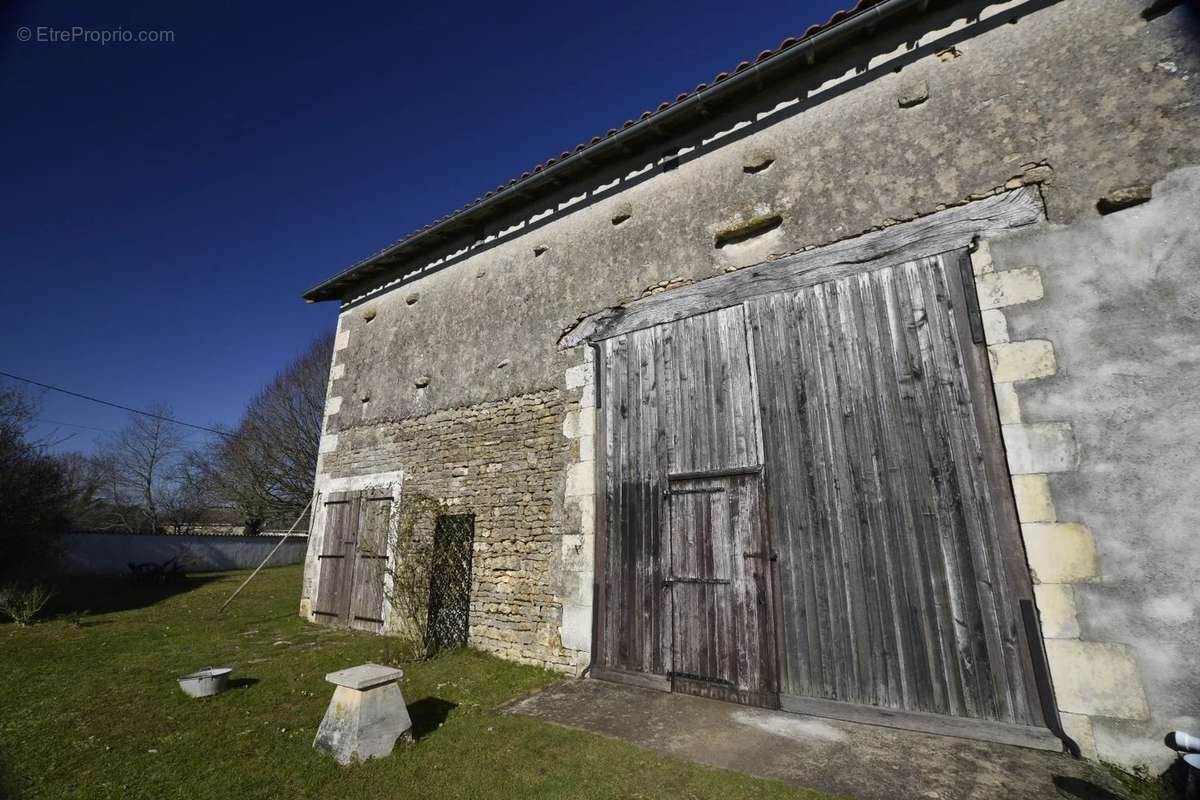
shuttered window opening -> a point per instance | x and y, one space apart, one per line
846 538
353 561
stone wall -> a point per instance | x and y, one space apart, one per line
505 462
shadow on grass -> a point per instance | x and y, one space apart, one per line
1082 789
8 784
79 597
428 714
241 683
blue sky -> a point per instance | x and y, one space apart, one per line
165 205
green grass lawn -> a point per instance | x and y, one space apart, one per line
92 710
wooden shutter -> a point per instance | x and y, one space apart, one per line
370 561
336 571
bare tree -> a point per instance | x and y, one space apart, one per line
32 495
266 466
140 463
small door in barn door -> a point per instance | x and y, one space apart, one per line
353 559
723 643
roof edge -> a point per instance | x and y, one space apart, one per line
864 19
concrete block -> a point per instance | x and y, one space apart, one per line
1098 679
1056 607
981 258
576 631
1032 493
329 443
1008 405
995 326
1008 288
1079 728
341 341
1059 552
338 372
581 479
1040 447
366 715
333 405
1022 361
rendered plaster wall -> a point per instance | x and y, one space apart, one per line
1110 522
1082 96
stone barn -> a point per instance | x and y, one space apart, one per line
858 381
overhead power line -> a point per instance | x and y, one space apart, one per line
112 405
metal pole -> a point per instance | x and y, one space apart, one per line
268 558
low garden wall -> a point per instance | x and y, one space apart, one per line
112 553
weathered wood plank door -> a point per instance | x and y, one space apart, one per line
353 561
901 564
336 559
679 413
370 561
723 639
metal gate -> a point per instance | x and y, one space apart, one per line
450 581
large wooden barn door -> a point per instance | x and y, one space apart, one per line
353 560
901 564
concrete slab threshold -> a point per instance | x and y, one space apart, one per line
843 758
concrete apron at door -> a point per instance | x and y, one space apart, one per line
843 758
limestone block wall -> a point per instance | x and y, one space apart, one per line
506 462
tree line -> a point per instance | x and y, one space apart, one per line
148 477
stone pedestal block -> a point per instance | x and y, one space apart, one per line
366 715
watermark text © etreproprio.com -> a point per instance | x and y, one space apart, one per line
77 34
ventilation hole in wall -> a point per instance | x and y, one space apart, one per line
413 298
949 54
541 249
502 364
421 382
621 217
1158 8
1013 20
759 165
747 230
1126 197
369 314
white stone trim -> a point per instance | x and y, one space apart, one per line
1090 678
579 503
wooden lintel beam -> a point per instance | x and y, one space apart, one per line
937 233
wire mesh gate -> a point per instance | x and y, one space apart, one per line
450 581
